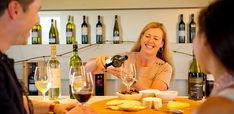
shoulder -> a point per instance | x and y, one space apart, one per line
164 65
216 105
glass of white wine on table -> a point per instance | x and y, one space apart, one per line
42 80
82 85
128 74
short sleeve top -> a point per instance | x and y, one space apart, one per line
160 70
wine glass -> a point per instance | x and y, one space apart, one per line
128 74
42 80
82 85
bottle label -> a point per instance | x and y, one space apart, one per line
34 34
84 31
99 31
182 33
51 40
195 86
69 33
32 88
55 78
116 38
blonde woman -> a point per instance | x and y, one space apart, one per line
151 56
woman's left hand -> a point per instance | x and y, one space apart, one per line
63 108
114 71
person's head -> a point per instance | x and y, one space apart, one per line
153 39
215 37
18 17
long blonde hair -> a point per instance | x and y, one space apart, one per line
165 53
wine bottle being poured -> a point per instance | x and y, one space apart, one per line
116 61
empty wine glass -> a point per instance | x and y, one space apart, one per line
42 80
82 85
128 74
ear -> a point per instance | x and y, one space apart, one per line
162 43
14 9
203 39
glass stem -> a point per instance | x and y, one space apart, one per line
43 94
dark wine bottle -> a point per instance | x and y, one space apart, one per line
84 32
32 90
99 33
195 81
99 84
192 29
209 84
181 30
52 34
116 61
116 34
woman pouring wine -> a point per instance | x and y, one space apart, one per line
151 57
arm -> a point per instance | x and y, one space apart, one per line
216 105
41 107
160 82
96 65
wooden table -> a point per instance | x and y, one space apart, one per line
99 106
98 103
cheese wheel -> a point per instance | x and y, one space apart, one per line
152 102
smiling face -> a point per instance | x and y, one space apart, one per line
151 41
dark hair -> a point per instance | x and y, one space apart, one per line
217 23
23 3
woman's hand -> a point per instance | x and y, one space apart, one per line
114 71
63 108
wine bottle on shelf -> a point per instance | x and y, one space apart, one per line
84 32
56 32
32 90
75 62
116 34
69 30
53 67
39 38
52 34
195 81
116 61
99 84
192 29
74 30
35 34
99 31
181 30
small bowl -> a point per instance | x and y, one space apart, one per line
137 96
167 96
149 92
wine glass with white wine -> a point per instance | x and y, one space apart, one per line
42 80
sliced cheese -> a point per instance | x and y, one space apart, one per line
177 105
